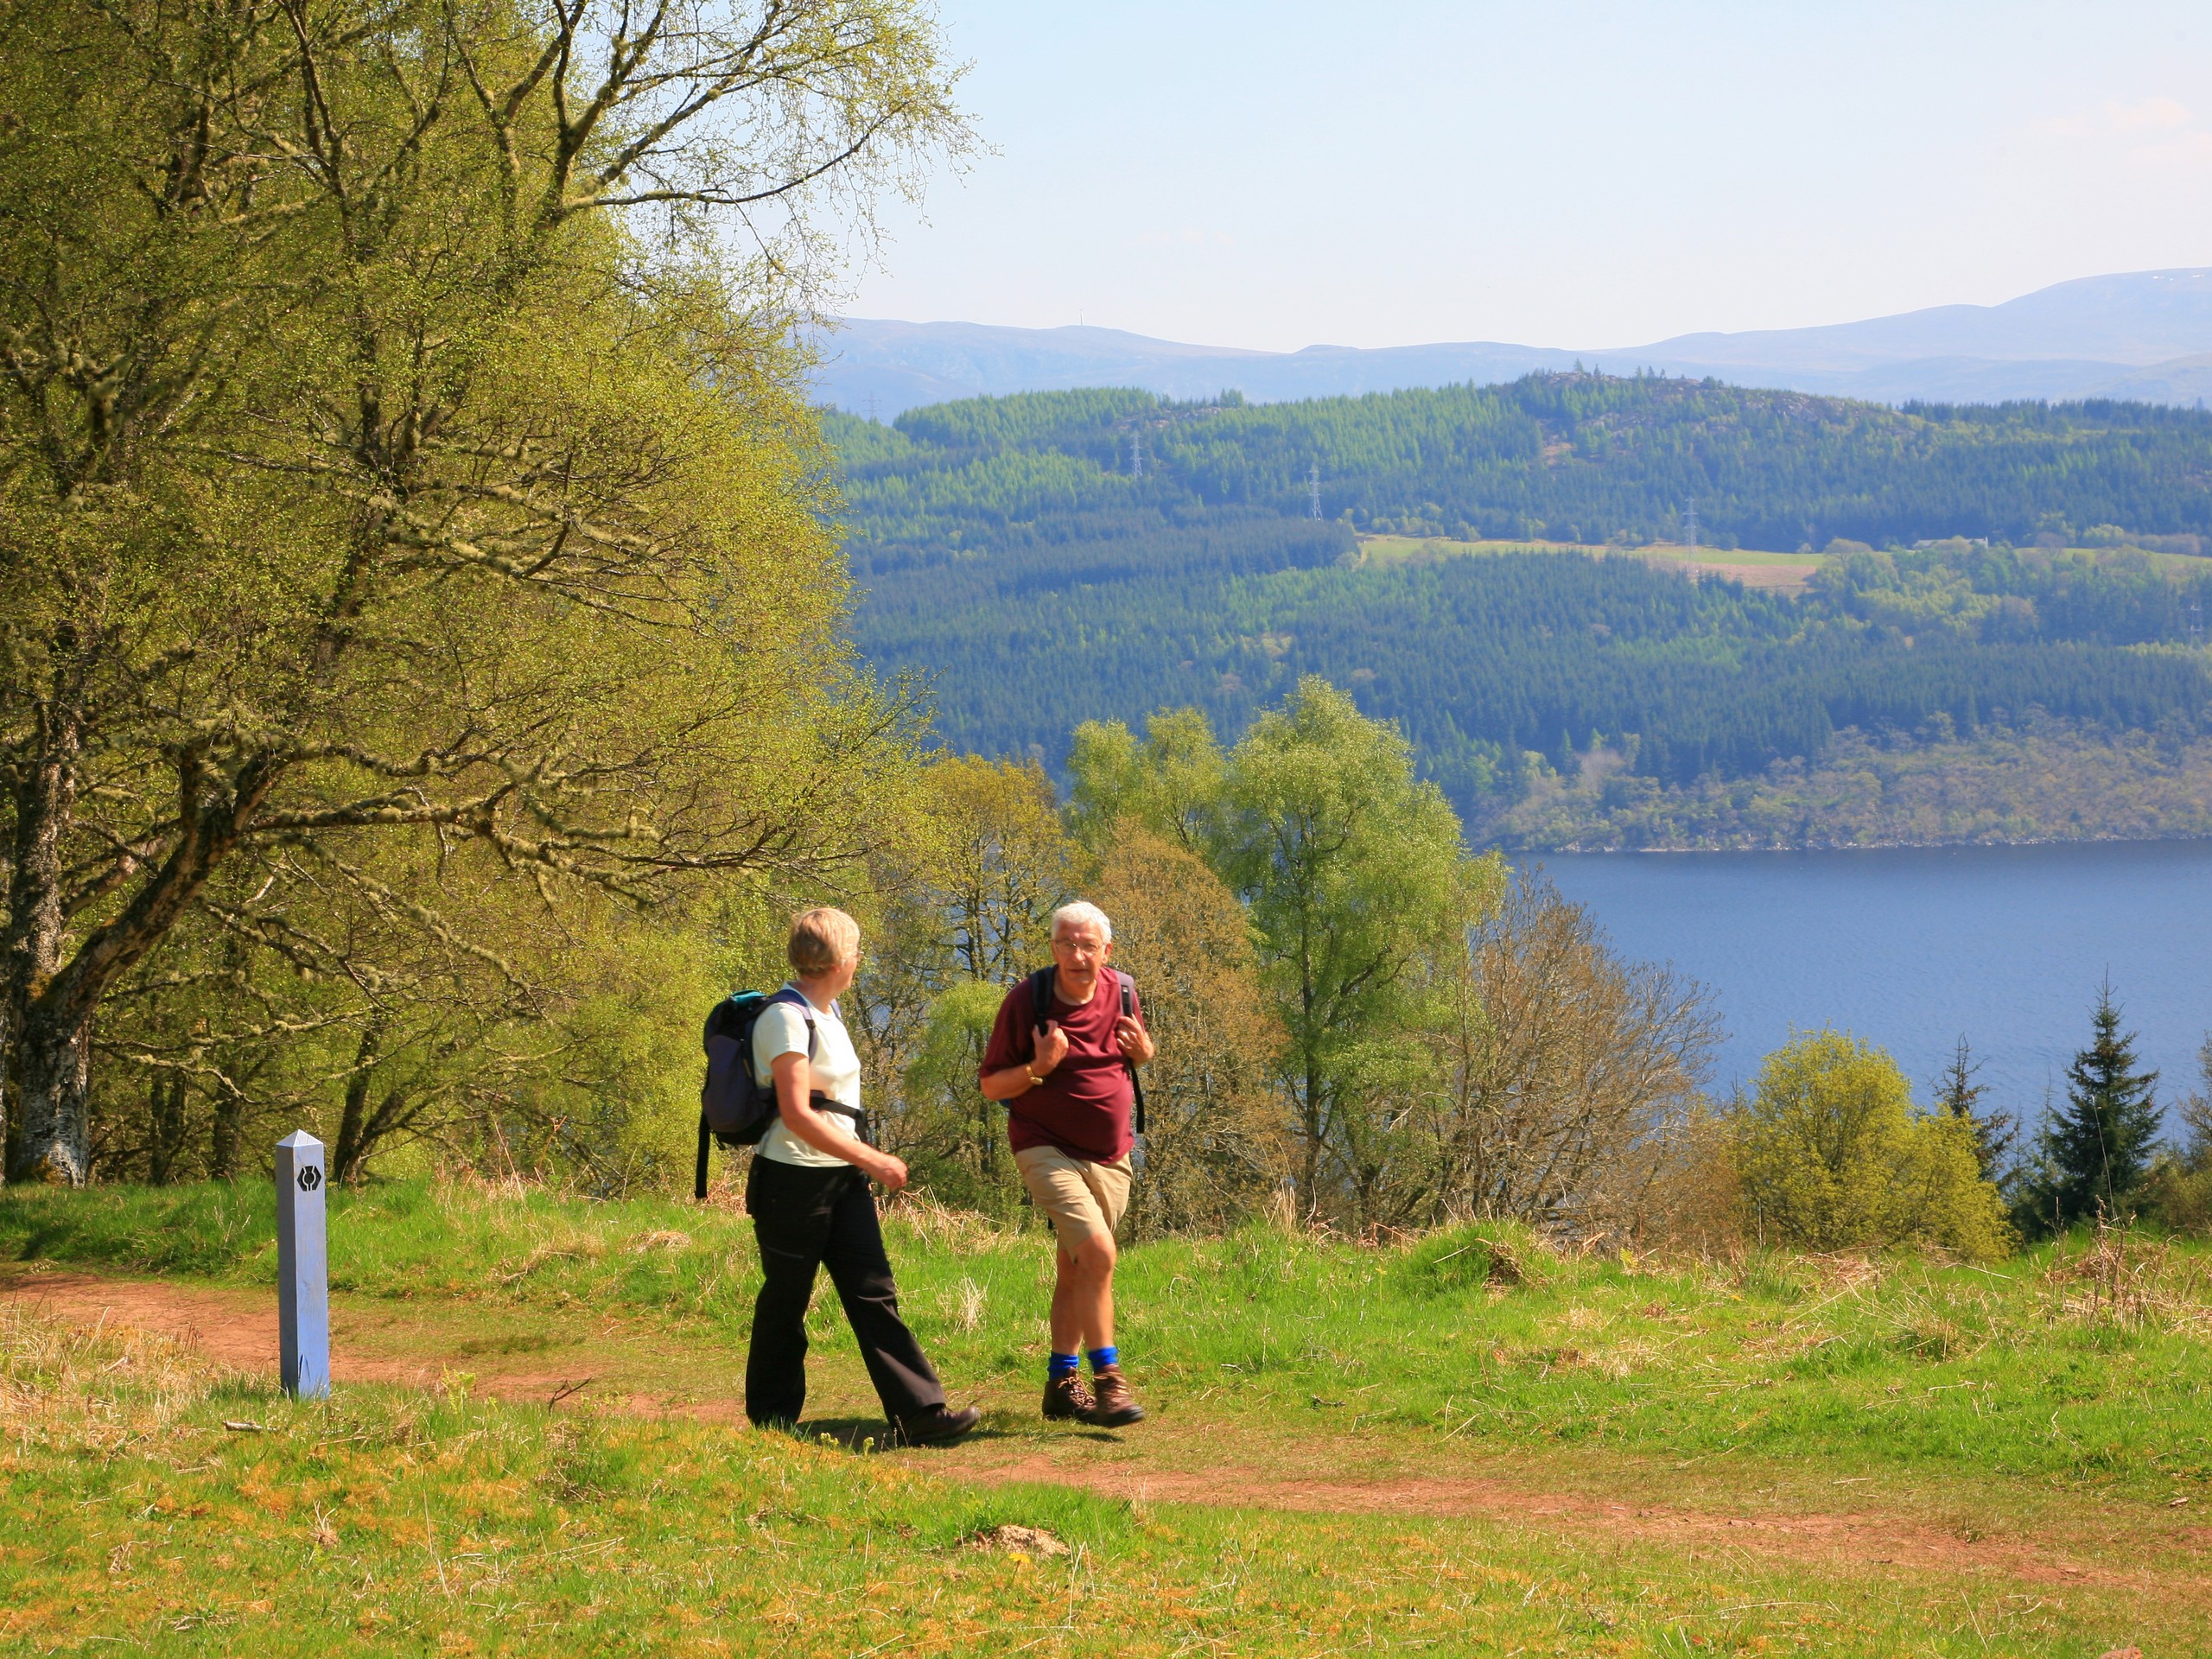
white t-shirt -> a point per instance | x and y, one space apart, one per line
833 1070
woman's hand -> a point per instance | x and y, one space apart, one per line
890 1172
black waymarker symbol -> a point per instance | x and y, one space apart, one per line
310 1179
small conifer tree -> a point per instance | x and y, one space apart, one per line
1994 1132
2095 1149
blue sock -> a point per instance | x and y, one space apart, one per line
1060 1366
1102 1358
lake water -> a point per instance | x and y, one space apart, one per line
1911 947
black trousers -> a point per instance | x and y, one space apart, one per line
805 1218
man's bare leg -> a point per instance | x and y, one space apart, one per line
1082 1297
1083 1321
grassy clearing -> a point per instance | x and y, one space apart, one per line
1400 549
1787 572
137 1512
2082 1366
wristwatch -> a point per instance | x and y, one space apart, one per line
1035 1078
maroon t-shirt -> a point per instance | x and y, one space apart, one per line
1085 1106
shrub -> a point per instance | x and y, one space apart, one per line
1832 1155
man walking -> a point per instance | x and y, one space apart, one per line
1066 1073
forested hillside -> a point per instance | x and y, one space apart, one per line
1052 558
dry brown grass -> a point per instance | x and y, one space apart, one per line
958 1232
570 1244
100 1390
2123 1281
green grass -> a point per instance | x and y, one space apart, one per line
2037 1370
136 1514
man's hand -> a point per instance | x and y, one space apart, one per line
1051 1048
889 1170
1137 1042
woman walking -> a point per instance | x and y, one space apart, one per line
808 1198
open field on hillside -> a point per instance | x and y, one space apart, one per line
1782 572
1462 1443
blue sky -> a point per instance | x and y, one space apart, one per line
1575 174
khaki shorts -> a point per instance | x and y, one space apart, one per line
1082 1198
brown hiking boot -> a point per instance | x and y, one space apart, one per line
1067 1400
1116 1405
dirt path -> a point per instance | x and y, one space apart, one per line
1163 1462
1863 1538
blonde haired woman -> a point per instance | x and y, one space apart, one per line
808 1198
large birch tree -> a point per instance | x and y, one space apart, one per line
399 438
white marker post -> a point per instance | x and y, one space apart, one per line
303 1267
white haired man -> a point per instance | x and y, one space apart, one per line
1063 1057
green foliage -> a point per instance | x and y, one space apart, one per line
1041 596
1581 458
1994 1132
1170 780
1354 873
2178 1192
419 600
964 885
1455 1260
954 1139
1216 1144
1354 876
2047 780
1832 1155
2096 1150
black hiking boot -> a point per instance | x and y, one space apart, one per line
1116 1405
1066 1401
935 1426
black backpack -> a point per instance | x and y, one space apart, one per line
733 1108
1041 999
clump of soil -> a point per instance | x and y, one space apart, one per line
1018 1540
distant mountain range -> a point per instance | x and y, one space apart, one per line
2142 336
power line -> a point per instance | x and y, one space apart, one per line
1313 491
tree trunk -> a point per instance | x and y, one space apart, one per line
1311 1121
224 1133
52 1005
346 1156
54 1142
165 1109
45 797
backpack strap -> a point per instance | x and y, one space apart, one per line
1041 993
821 1102
1129 1012
797 998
